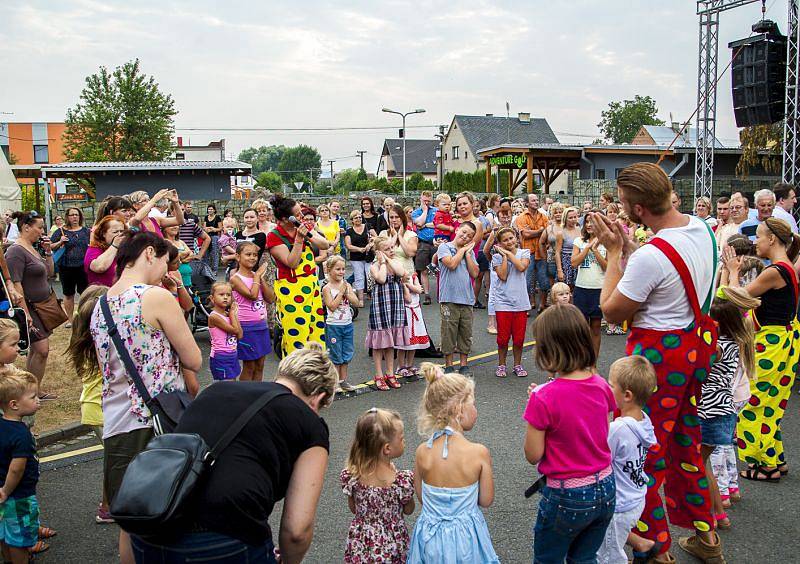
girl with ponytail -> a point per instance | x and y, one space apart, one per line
718 408
452 475
776 348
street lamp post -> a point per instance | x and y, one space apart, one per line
403 115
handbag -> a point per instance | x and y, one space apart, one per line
160 479
165 408
50 312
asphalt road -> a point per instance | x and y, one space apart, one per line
764 523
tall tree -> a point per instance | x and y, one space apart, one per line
347 179
263 158
622 120
270 181
762 145
298 162
122 116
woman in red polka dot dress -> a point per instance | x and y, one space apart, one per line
297 290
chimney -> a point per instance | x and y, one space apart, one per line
524 117
180 141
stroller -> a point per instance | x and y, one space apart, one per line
202 280
17 315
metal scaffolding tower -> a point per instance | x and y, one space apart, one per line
708 11
791 143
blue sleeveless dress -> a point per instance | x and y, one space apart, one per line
451 528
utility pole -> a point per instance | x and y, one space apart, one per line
331 163
361 154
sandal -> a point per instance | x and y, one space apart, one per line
392 380
758 474
46 532
722 520
501 371
47 397
783 469
39 547
650 555
520 372
735 495
380 383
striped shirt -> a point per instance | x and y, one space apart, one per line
717 390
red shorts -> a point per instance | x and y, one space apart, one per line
511 324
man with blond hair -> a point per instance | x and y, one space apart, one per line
666 289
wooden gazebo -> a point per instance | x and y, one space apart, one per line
549 160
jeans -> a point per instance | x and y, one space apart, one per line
542 278
572 522
211 258
202 547
530 277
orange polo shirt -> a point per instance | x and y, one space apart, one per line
526 220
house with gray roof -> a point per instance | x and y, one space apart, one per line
420 157
468 135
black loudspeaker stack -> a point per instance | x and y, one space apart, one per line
758 76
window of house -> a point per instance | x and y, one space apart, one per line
600 174
6 151
180 156
40 154
466 154
455 151
617 171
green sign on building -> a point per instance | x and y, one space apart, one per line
517 160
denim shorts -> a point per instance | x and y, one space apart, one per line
573 521
19 522
588 301
340 343
483 263
542 278
718 430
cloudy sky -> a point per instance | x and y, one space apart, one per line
302 64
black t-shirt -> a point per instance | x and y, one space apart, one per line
75 248
259 238
359 241
16 441
253 473
216 223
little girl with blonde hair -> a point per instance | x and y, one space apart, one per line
452 475
378 494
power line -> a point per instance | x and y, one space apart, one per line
279 129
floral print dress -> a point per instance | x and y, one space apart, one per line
378 532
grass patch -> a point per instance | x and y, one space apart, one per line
59 379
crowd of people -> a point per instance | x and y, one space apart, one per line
709 306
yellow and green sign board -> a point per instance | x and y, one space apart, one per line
515 160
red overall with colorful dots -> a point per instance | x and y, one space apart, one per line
682 359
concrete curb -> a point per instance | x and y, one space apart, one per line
69 431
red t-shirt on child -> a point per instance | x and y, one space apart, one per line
443 218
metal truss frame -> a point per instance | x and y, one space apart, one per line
708 50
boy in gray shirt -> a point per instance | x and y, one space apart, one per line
456 295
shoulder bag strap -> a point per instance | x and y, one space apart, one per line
676 260
122 351
240 422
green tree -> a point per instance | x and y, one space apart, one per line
270 181
347 180
263 158
762 145
121 116
622 120
297 162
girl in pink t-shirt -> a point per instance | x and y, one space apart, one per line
251 294
225 330
567 436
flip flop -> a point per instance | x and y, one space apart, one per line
650 555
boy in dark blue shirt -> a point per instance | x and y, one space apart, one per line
19 466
